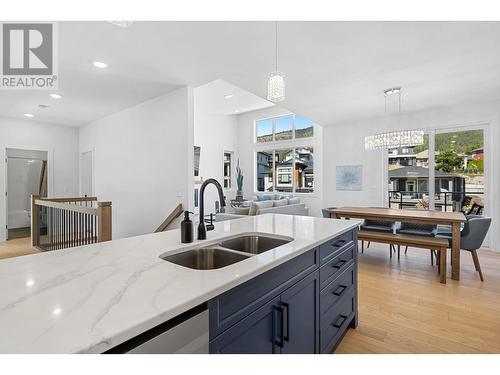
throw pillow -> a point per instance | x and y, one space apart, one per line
264 197
294 201
241 210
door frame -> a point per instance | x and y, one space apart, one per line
80 169
50 179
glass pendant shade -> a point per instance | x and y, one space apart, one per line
395 139
276 87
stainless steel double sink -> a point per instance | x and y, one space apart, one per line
226 252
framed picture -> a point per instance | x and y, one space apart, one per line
349 177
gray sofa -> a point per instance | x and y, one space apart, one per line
282 205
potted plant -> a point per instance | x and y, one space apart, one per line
239 183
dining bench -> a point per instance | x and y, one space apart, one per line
422 242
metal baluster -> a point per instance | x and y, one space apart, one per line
86 229
51 228
95 229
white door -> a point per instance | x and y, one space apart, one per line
86 174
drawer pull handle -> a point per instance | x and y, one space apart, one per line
339 264
338 243
340 290
340 321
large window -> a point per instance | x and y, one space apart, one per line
283 128
458 169
228 166
264 170
287 163
286 170
409 176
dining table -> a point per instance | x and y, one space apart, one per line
453 219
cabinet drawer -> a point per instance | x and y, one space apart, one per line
233 305
336 266
336 290
330 248
338 320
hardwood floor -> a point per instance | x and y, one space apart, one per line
404 309
16 247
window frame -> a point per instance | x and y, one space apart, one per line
432 131
279 147
294 129
231 164
274 145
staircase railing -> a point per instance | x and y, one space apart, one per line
58 223
177 211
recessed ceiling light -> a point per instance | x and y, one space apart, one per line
100 65
30 115
236 111
55 96
228 96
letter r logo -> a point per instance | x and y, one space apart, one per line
27 49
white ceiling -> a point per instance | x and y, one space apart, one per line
210 99
335 71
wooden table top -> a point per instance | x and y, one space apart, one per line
422 216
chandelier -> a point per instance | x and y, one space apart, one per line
394 139
276 81
397 138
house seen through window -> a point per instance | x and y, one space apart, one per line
285 169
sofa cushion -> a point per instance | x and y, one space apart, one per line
293 200
280 202
241 210
259 205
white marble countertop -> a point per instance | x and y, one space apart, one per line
89 299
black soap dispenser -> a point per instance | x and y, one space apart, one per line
187 228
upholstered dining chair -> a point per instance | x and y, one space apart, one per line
326 211
472 237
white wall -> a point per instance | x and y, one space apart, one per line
246 149
142 160
60 142
344 145
215 134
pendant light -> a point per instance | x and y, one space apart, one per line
276 81
397 138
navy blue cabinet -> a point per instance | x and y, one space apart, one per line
289 323
301 316
302 306
258 333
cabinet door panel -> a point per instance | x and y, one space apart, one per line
258 333
301 316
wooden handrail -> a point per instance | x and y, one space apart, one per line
170 218
66 206
58 223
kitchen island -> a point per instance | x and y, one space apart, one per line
93 298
